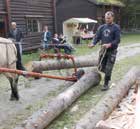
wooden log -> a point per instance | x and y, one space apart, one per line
137 123
39 66
43 117
106 105
103 125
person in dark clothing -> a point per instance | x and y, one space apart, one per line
56 39
61 44
62 39
47 37
17 36
56 42
109 34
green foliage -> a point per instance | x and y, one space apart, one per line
113 2
131 14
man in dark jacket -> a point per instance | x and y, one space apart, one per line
109 34
46 37
17 36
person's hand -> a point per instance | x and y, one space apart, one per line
91 45
107 45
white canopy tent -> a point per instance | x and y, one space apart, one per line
80 20
70 25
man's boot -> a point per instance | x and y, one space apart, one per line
106 84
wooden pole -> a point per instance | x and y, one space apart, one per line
8 10
55 107
39 66
103 109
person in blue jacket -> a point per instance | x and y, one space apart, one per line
46 37
109 35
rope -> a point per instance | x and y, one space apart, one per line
100 63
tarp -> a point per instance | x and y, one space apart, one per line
80 20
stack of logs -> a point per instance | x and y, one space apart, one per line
101 111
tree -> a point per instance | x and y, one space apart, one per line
130 14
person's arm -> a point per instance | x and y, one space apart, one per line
9 35
21 34
49 36
116 41
97 36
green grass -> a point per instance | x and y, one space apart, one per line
126 39
130 38
83 49
30 57
123 66
113 2
91 98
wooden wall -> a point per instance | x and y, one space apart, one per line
39 9
66 9
2 5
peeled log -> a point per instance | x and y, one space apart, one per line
43 117
103 109
39 66
137 113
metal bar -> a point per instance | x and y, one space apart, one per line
34 74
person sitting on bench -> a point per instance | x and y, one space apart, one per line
59 45
62 39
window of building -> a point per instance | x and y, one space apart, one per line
33 25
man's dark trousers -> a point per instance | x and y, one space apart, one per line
106 62
19 62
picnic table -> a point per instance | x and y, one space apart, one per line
85 37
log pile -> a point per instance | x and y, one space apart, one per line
127 113
103 109
123 117
43 117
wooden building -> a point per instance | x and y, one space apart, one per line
94 9
30 15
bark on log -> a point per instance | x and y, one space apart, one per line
43 117
137 123
103 109
103 125
39 66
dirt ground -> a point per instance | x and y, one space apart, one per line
34 93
